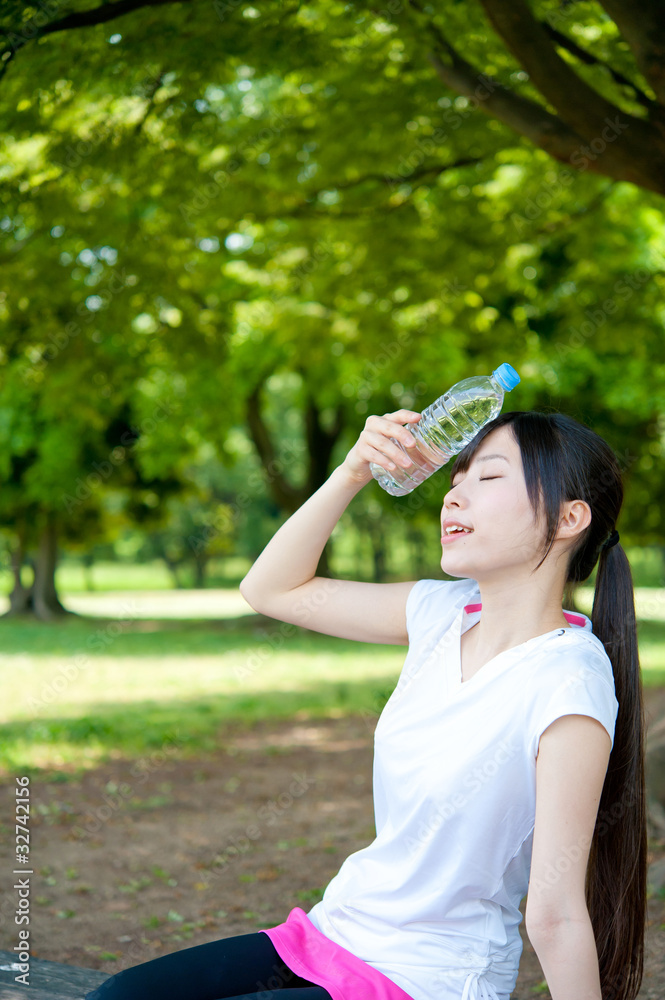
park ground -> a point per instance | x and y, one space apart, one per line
210 827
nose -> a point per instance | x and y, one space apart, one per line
451 497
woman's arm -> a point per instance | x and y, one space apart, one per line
282 581
571 766
569 960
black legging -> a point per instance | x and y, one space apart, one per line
245 967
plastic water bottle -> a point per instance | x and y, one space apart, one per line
446 427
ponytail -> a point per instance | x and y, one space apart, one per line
616 879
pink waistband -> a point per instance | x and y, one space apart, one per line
317 958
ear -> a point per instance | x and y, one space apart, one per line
575 517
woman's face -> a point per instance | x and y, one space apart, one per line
491 499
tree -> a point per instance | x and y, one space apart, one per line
595 96
184 229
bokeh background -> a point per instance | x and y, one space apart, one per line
229 232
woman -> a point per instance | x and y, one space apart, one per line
508 759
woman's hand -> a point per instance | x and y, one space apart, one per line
375 445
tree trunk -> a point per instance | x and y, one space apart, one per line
40 598
319 446
172 567
378 540
20 599
45 599
200 566
88 563
418 568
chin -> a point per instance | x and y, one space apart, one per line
452 572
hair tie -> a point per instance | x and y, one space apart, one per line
611 540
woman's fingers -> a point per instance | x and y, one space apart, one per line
390 426
403 415
376 442
385 448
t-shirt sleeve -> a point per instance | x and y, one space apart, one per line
577 681
432 605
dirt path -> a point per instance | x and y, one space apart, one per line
136 861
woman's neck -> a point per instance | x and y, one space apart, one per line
513 615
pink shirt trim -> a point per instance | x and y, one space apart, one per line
312 955
568 615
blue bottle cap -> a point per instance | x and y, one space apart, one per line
506 376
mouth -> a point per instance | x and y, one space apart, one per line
452 536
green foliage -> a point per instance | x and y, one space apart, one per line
203 198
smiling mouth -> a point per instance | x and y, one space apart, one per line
449 536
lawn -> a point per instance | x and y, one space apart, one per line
85 690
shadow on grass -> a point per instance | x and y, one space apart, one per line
182 729
153 636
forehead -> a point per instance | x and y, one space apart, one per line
500 442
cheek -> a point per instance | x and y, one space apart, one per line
513 514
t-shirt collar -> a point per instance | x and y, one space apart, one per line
574 618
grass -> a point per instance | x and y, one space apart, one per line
81 691
172 691
72 577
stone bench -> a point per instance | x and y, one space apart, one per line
48 980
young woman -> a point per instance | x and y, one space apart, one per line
508 760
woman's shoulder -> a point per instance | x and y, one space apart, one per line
436 603
443 592
573 657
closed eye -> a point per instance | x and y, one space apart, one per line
484 478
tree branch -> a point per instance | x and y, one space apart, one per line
497 100
100 15
79 19
434 168
522 115
590 60
567 220
637 158
306 209
643 27
576 103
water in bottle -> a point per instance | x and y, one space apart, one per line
446 427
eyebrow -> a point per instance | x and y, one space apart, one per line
486 458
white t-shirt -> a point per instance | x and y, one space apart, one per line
433 901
